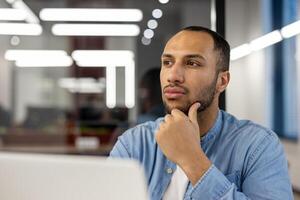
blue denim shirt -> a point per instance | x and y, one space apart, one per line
248 161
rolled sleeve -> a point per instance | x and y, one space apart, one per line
212 185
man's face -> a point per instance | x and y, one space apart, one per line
188 71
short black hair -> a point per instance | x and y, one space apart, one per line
220 45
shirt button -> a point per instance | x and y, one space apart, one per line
169 170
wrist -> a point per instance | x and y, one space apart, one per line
196 166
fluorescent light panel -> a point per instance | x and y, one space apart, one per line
93 15
98 58
102 63
95 29
130 85
111 59
49 62
291 30
240 51
81 85
39 58
266 40
12 14
30 16
109 54
20 29
23 54
111 86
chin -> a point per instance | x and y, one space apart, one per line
170 106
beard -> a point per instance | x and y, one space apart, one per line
205 97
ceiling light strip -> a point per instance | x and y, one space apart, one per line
20 29
111 86
18 54
130 85
39 58
266 40
291 30
93 15
50 62
30 16
95 30
12 14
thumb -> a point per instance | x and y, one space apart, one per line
193 112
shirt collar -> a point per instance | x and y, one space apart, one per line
214 130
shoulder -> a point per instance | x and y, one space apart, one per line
140 137
248 134
250 142
146 129
245 128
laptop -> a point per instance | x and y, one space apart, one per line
65 177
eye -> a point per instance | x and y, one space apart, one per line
193 63
166 63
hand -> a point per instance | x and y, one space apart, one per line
179 139
179 136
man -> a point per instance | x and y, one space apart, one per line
198 151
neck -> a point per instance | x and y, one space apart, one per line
207 118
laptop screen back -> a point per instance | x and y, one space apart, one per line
57 177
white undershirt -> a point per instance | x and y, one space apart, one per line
177 186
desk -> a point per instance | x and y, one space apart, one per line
101 151
31 141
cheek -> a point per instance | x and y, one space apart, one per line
194 84
196 87
162 77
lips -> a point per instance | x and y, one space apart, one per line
174 92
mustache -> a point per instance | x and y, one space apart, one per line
175 85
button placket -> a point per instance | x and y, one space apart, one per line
169 170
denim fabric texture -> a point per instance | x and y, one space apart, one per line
248 161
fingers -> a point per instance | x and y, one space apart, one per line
176 112
193 112
168 118
192 115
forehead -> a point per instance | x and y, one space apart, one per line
190 42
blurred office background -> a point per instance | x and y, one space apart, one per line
72 71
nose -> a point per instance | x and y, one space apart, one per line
176 74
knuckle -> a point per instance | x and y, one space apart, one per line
174 111
167 116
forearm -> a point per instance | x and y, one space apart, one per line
195 165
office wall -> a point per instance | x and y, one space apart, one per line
4 71
243 23
21 87
246 94
39 86
298 75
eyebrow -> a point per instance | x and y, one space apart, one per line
167 55
188 56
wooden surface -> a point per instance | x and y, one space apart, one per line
101 151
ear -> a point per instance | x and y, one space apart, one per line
223 80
